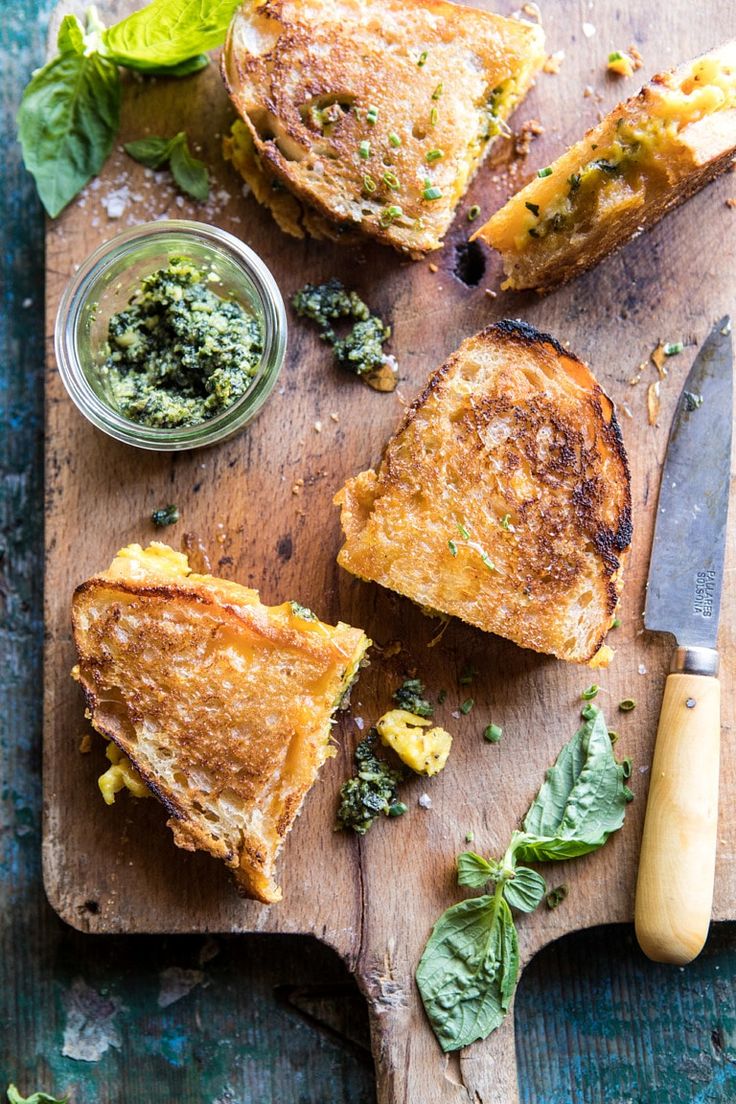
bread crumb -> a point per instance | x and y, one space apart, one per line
636 59
529 130
433 268
491 293
296 489
318 426
335 416
731 202
532 10
553 62
653 403
620 64
85 744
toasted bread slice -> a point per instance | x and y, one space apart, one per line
646 157
503 498
373 114
222 704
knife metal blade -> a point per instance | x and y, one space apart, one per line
686 565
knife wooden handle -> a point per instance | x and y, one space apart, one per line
674 891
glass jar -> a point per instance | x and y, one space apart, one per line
102 287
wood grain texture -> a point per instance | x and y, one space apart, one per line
375 900
674 885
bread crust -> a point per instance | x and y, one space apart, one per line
511 427
283 58
691 157
222 704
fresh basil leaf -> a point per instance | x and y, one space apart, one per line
183 69
67 121
151 152
70 39
474 870
467 973
168 32
14 1097
525 890
189 174
583 799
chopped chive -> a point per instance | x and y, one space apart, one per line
469 837
492 733
434 155
431 192
467 706
627 765
505 521
465 533
467 676
612 736
589 712
369 183
371 116
422 59
616 56
485 558
591 692
442 696
389 214
544 172
616 623
533 207
391 180
452 546
473 213
434 116
627 705
394 140
397 809
438 91
365 149
672 348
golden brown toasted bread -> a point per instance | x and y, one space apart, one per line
222 704
647 156
373 114
503 498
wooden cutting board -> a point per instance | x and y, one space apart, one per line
261 507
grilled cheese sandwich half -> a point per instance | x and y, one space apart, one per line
647 156
221 704
503 499
371 116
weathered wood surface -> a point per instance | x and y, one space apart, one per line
375 900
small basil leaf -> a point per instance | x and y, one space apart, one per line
583 799
14 1097
525 890
474 870
183 69
189 174
70 39
67 122
467 973
151 152
168 32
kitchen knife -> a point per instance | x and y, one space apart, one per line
674 892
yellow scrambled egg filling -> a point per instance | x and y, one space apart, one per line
421 747
121 775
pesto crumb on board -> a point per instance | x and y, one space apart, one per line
372 791
361 349
179 354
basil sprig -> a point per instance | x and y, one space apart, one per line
70 111
190 175
468 971
14 1097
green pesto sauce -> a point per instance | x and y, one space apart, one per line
371 792
179 353
361 349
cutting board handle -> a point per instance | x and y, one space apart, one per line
410 1068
